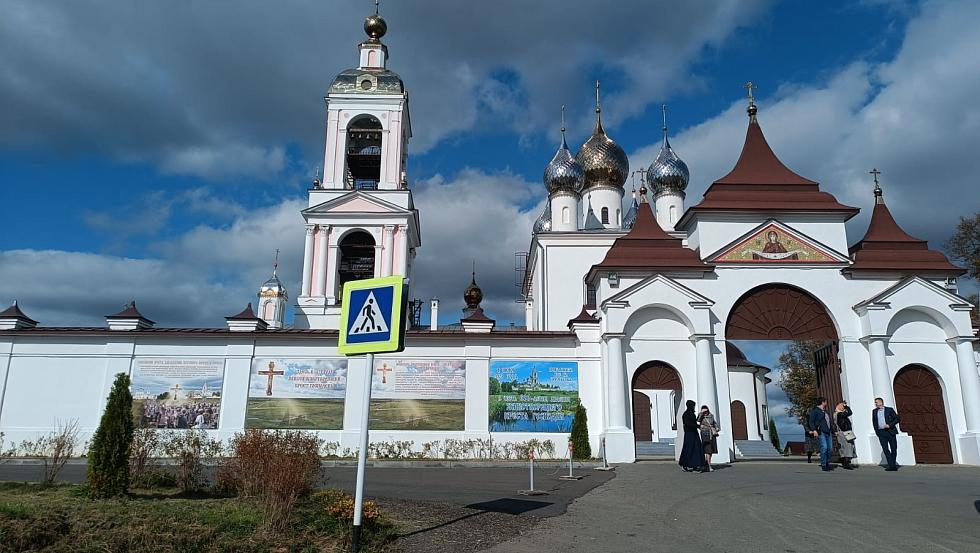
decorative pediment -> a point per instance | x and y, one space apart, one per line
920 289
355 202
774 243
657 287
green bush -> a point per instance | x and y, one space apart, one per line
580 434
108 460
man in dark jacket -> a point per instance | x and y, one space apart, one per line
885 422
821 429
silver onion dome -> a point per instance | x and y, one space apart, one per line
543 223
563 173
273 287
604 162
667 173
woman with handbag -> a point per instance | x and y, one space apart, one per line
708 429
845 435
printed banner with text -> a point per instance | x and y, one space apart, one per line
418 394
533 396
177 393
297 393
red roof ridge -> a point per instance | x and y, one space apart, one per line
886 247
14 312
758 164
647 246
583 317
477 316
246 314
129 312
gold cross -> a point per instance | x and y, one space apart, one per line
875 172
749 86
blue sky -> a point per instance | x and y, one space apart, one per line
161 153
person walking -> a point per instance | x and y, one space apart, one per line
692 454
822 431
885 422
708 430
845 435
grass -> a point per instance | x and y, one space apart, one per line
62 518
298 413
418 414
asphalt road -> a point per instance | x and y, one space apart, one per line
490 489
762 507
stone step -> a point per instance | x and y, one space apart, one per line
755 448
654 448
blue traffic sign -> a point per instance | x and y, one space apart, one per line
371 316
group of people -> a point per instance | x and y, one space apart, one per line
700 438
820 428
701 435
198 415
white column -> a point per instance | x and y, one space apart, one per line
308 261
402 268
387 254
881 382
333 258
322 246
969 382
617 381
378 255
529 314
706 372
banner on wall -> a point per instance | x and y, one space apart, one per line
296 393
533 396
177 393
418 394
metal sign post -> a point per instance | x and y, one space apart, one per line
372 318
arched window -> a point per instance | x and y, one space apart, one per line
619 218
673 214
605 215
564 215
364 153
356 258
268 310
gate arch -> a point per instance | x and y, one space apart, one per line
920 404
652 375
779 312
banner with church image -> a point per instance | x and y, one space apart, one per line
177 392
418 394
533 396
305 394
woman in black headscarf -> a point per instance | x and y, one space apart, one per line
692 453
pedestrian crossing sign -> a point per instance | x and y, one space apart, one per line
372 316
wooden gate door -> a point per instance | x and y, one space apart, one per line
642 432
739 429
919 402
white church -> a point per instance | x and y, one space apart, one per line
628 312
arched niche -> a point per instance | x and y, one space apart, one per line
363 155
658 321
356 261
655 376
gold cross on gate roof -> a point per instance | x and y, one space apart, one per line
749 86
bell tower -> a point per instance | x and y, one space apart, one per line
361 220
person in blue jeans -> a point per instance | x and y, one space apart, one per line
822 430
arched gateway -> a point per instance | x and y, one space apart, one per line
656 397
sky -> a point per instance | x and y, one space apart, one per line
161 151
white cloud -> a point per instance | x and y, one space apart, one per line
915 118
217 90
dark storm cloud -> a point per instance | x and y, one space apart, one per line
218 88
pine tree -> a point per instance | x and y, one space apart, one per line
580 434
108 460
774 436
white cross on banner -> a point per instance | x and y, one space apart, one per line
369 319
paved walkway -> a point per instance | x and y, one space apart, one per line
761 507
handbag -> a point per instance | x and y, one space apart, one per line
849 435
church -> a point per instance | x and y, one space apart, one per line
631 307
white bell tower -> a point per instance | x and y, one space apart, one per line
361 220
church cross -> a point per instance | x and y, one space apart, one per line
749 86
875 172
271 372
275 265
384 370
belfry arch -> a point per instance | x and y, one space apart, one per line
357 258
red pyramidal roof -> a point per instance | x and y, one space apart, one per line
761 182
888 248
646 246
